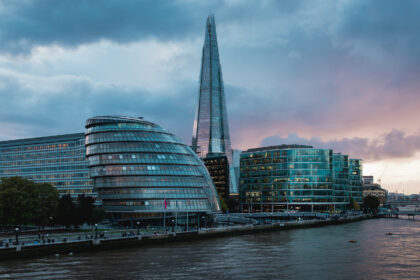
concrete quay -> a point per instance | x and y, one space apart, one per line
94 245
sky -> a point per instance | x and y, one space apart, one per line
334 74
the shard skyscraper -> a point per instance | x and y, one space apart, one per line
211 130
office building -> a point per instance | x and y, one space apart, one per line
367 180
59 160
140 170
375 190
341 188
297 177
356 180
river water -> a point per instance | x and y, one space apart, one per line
314 253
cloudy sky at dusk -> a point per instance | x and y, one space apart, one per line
332 74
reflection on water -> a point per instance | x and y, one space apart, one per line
315 253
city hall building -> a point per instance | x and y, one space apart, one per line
140 171
59 160
299 177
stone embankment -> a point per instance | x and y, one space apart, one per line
93 245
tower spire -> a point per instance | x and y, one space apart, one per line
211 129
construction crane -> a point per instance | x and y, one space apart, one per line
380 177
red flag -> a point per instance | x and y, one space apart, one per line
166 204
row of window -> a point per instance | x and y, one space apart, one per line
130 136
43 161
144 167
52 176
122 127
159 204
44 169
136 147
22 148
131 158
149 179
288 187
38 155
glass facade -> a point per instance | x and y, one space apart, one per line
59 160
341 179
356 179
218 167
211 131
293 177
140 168
211 128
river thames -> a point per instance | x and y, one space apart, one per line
314 253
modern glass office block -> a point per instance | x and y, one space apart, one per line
356 179
139 169
286 177
341 187
59 160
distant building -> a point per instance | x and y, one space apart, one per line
367 180
59 160
375 190
141 171
297 177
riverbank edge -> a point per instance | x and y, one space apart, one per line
96 245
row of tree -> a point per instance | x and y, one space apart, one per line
24 202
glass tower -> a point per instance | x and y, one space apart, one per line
211 131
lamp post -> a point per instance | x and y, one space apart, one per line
96 231
173 225
17 235
204 221
138 228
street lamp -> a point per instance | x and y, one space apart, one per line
138 228
173 225
17 235
51 221
96 231
204 221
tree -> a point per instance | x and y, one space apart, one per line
85 208
353 205
223 204
16 203
45 202
370 203
23 201
66 213
98 214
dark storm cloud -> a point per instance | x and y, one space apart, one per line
65 109
390 25
395 144
25 24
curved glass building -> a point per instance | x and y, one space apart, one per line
141 170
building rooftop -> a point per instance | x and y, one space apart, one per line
278 147
372 186
43 139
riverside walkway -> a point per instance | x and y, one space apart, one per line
71 243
